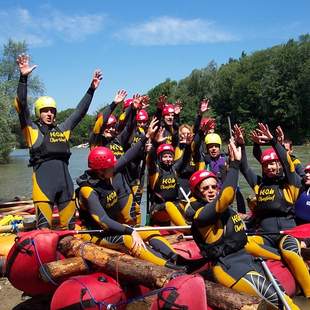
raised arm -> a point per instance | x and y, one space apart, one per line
71 122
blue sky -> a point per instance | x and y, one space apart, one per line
139 44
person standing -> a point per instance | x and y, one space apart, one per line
49 149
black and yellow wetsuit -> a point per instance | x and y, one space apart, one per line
275 212
219 232
100 208
163 180
49 156
117 145
297 163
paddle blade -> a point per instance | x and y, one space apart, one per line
301 231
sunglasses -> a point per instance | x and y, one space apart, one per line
207 187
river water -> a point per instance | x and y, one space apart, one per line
15 177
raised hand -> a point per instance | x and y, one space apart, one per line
120 96
238 134
159 137
178 107
152 129
280 135
145 102
264 132
255 137
161 101
234 151
23 64
136 102
97 77
204 105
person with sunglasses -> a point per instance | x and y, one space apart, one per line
276 193
220 233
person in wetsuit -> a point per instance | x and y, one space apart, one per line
163 182
49 149
219 232
276 193
99 207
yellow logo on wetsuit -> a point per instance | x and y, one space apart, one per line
266 194
136 139
56 136
168 183
116 149
168 139
238 223
111 199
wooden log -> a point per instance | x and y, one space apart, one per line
119 265
65 268
137 271
15 203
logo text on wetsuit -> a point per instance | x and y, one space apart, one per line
56 136
238 223
168 183
266 194
111 199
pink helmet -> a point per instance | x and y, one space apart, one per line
164 148
101 158
268 155
198 176
142 116
127 103
169 108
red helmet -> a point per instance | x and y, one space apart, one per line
142 116
164 148
169 108
127 103
307 168
111 120
101 158
268 155
198 176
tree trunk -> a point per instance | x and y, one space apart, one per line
119 265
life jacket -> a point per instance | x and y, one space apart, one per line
302 206
271 201
217 166
31 250
166 187
54 146
91 292
107 196
232 240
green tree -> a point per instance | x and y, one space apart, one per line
10 133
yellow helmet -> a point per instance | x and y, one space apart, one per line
44 102
213 138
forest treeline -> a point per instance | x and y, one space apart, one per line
270 85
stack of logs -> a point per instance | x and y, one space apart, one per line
127 269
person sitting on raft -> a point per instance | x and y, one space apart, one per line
99 207
219 232
286 143
49 149
276 193
163 181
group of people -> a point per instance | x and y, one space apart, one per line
190 181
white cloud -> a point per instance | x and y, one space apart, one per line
174 31
47 25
